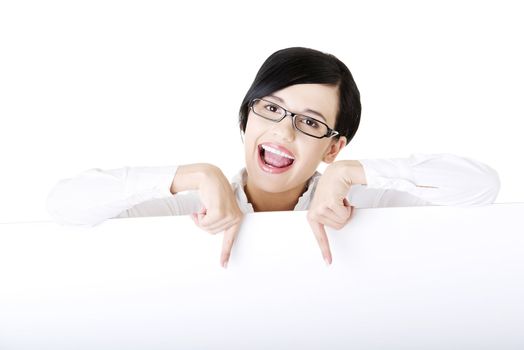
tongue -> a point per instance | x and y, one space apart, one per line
276 160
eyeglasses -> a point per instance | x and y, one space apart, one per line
307 125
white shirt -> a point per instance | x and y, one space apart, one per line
95 195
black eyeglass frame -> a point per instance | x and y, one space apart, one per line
330 132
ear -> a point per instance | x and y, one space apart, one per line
334 148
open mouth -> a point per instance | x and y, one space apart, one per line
273 159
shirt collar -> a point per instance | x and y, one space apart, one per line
239 182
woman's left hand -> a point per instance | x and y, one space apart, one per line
329 205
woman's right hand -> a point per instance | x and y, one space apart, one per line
220 210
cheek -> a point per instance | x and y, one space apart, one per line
249 125
254 128
311 154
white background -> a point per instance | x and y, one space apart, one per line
106 84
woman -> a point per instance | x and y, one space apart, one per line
318 94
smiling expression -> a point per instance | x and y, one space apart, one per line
280 158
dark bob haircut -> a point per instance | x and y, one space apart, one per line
300 65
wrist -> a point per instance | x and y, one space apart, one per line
351 171
188 177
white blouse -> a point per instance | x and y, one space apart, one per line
95 195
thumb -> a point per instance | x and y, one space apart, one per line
348 206
201 215
194 217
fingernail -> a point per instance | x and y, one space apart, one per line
225 264
327 261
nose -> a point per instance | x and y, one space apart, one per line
284 129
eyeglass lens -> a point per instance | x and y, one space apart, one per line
303 123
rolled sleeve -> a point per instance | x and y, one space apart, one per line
442 179
95 195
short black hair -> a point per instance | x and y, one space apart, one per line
301 65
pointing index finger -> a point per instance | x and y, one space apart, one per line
321 236
227 244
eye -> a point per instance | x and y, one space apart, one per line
272 108
311 123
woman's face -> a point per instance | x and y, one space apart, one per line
270 171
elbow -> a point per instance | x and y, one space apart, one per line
482 184
493 187
486 190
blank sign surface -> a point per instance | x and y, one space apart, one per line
402 278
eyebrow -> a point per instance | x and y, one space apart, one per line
307 110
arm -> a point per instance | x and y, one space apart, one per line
95 195
439 179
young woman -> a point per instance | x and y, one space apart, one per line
302 108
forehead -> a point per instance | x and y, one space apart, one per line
305 98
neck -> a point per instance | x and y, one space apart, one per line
269 201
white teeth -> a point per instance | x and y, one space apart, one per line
276 151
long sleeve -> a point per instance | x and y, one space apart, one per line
95 195
426 179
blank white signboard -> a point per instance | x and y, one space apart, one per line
402 278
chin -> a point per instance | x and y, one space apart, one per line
273 183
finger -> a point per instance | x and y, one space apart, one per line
227 244
208 221
333 216
214 231
329 220
199 215
198 219
338 213
342 211
195 218
349 209
321 236
352 209
216 226
328 217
